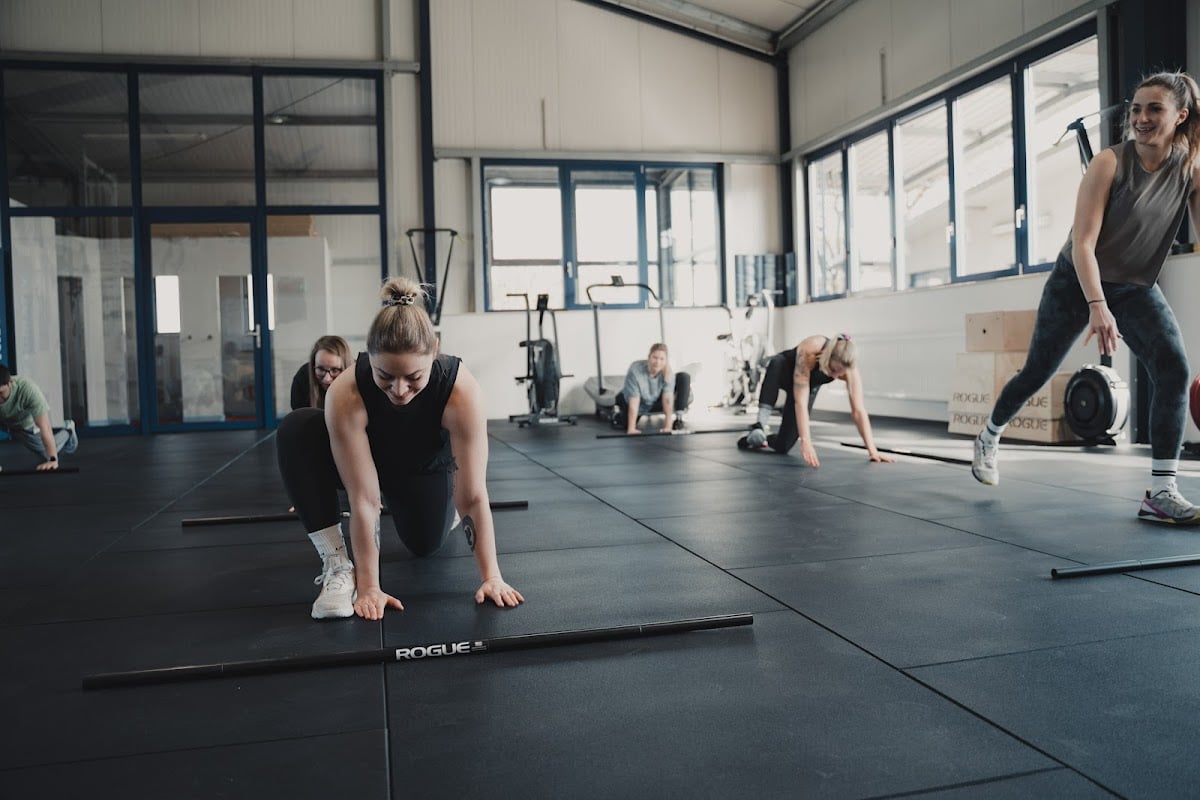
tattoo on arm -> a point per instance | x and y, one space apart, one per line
468 526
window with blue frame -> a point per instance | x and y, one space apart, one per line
557 229
978 183
94 151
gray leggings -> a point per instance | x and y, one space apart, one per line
1149 329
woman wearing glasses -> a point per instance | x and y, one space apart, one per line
329 358
800 372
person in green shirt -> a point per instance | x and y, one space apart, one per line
25 416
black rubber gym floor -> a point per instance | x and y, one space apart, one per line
907 637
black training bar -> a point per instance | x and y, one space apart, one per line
930 456
287 516
60 471
1125 566
684 432
528 641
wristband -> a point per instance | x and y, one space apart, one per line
1101 300
52 458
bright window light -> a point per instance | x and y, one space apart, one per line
166 303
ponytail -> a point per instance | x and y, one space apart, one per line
403 324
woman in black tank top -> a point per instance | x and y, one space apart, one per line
1131 202
800 372
405 425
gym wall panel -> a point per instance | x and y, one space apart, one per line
749 113
404 169
234 28
1039 12
599 80
151 27
821 58
346 29
37 25
515 63
452 50
867 29
752 223
403 16
679 93
452 177
980 26
920 47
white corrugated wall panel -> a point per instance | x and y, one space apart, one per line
1039 12
403 30
238 28
151 27
37 25
920 49
404 171
866 30
599 79
346 29
679 93
452 72
749 112
516 66
452 177
980 26
752 223
825 100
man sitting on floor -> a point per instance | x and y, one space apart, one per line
25 416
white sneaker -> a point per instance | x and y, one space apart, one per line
983 466
337 590
1168 506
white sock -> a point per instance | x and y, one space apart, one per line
764 415
330 543
1162 474
990 435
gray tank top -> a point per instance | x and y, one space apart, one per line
1144 211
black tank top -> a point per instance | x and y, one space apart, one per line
407 438
816 378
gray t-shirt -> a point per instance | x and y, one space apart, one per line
1143 213
638 383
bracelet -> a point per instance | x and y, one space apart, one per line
1101 300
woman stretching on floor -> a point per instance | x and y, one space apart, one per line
405 423
800 373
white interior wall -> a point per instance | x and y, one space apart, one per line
309 29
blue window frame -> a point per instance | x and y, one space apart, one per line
557 228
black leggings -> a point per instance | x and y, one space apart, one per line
780 377
1148 327
421 502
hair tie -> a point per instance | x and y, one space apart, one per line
402 300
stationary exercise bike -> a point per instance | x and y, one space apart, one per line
542 372
747 356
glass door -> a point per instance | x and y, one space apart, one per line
208 320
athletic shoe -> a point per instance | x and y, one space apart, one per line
1169 506
983 466
757 437
72 438
677 425
337 590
